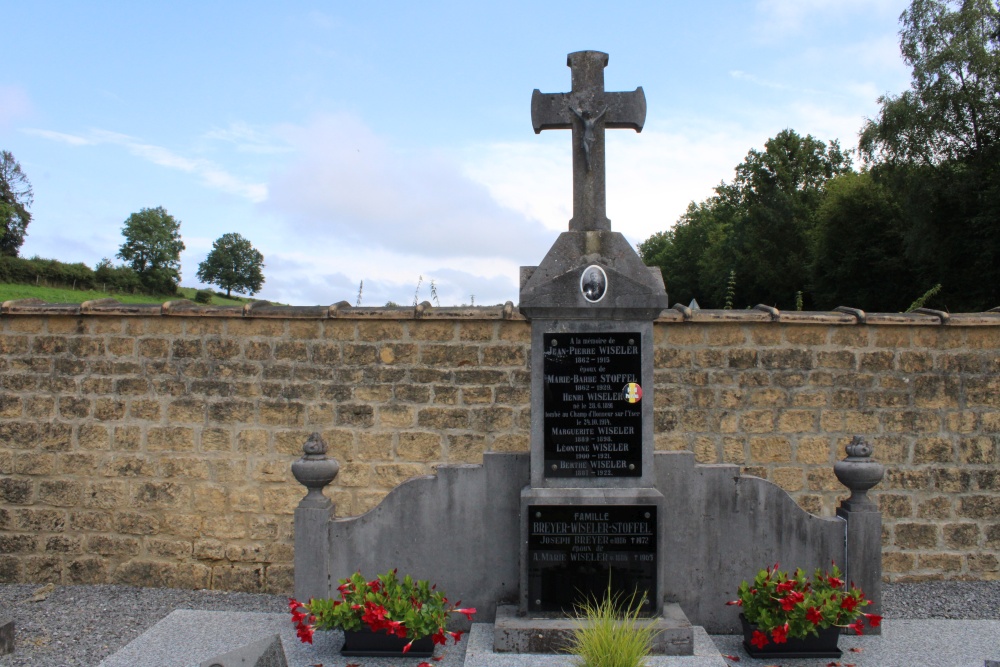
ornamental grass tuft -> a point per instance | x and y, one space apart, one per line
610 634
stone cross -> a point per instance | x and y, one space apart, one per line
587 110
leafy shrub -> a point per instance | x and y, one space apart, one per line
203 296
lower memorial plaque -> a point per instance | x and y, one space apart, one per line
575 552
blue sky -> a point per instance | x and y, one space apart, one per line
384 141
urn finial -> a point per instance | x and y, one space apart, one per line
858 472
314 471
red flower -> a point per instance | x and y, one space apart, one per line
407 648
849 603
858 626
457 636
424 664
439 637
874 620
788 603
468 612
305 633
835 582
376 586
786 586
738 603
813 615
780 634
759 639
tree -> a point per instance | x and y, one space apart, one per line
153 248
860 258
15 198
952 110
937 146
233 264
760 226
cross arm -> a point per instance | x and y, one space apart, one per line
550 111
553 111
626 110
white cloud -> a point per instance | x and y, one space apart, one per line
651 177
348 184
246 139
71 139
210 173
322 278
14 103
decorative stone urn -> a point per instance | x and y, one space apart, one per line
858 472
314 471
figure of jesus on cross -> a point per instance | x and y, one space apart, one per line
588 109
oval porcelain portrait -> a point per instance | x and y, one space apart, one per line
593 283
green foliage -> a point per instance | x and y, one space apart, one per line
923 211
233 264
924 298
730 291
203 296
860 257
952 110
409 608
937 148
153 248
610 634
16 197
761 226
775 599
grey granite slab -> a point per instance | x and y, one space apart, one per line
904 643
185 638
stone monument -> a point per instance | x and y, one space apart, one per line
590 518
524 537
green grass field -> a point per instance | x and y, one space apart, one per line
9 291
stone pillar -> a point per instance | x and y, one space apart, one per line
312 517
858 472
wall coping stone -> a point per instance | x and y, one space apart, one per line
678 314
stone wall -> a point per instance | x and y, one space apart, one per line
152 446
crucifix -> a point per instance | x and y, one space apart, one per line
587 109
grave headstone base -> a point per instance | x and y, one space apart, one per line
513 633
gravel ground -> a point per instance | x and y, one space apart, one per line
81 625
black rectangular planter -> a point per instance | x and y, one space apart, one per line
364 642
823 646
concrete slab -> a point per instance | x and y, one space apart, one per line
185 638
904 643
531 634
479 653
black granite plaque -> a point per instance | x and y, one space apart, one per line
576 551
593 410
